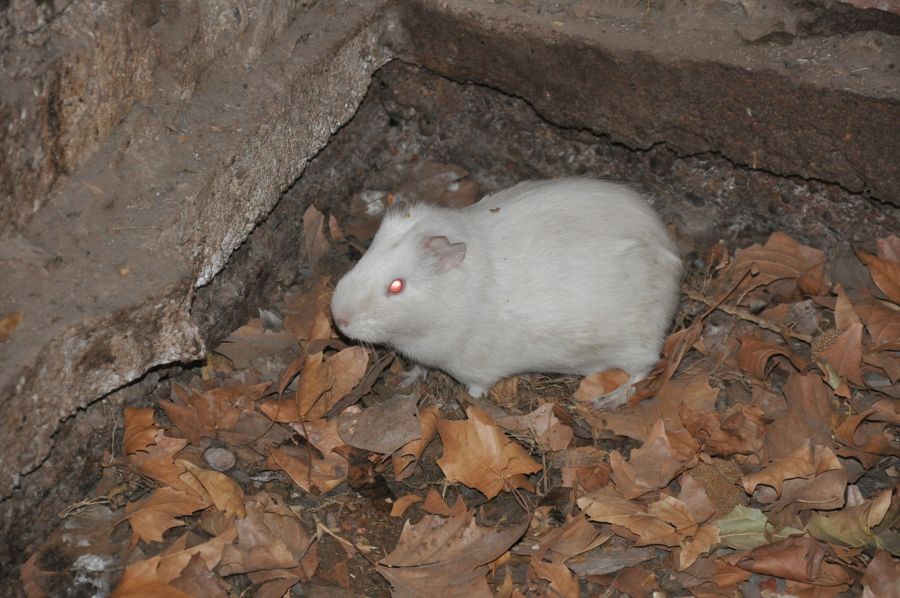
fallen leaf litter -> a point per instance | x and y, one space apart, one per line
760 454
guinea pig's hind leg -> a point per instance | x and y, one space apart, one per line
476 391
619 396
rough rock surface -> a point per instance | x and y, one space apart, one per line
188 141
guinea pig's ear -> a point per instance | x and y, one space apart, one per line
450 255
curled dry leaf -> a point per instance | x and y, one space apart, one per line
159 512
866 437
739 431
405 458
755 354
446 556
324 382
744 528
811 476
845 354
885 274
317 244
800 558
852 526
478 454
781 258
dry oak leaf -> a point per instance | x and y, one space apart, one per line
799 558
254 340
740 431
882 321
844 314
882 576
446 556
159 512
150 577
852 526
548 431
223 492
382 428
654 464
304 467
478 454
744 528
271 536
576 536
811 476
309 307
436 505
885 273
317 244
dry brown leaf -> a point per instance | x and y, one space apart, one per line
317 244
799 558
584 468
868 440
140 429
779 259
741 430
562 582
223 492
316 379
478 454
347 367
448 556
271 536
198 581
157 461
811 476
254 341
159 512
403 503
755 354
809 416
882 322
889 248
852 526
606 507
327 472
653 465
576 536
405 458
384 427
548 431
283 411
845 354
599 384
205 414
143 578
436 505
8 324
307 312
882 576
885 273
844 314
277 583
712 575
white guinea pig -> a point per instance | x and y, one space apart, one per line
569 276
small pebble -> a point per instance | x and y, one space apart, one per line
219 459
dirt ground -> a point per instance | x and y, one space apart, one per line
761 456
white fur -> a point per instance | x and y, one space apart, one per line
569 276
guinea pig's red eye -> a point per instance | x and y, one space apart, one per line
396 286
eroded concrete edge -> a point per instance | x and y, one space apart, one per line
146 322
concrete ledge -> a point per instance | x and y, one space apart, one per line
685 77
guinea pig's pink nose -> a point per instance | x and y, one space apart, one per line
341 321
